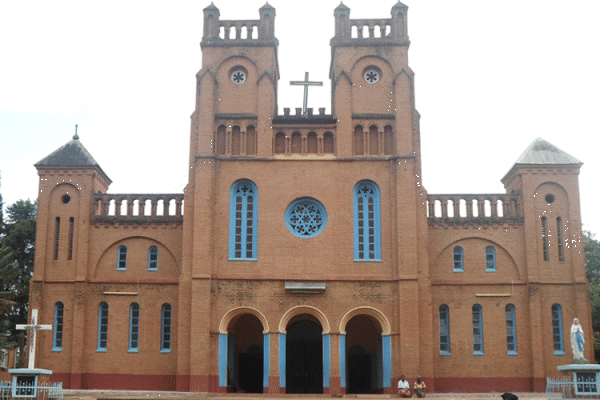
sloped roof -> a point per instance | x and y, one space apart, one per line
71 155
543 152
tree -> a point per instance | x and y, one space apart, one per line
17 246
591 247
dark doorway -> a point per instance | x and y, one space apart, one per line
304 357
364 361
245 361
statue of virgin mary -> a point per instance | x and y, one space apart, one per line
577 341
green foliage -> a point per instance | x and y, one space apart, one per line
17 245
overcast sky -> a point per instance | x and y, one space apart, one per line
490 77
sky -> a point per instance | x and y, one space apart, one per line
490 78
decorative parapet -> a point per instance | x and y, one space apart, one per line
219 32
138 208
474 208
360 31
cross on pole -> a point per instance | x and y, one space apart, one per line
33 327
306 83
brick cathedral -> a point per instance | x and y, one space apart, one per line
304 255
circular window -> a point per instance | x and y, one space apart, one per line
65 198
238 75
549 198
372 75
305 217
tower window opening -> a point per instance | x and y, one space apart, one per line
56 237
71 232
545 238
559 238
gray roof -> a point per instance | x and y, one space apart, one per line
70 155
542 152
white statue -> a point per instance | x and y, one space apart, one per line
577 340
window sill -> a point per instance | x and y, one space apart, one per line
101 350
165 351
478 353
559 353
512 353
133 351
458 270
57 349
242 259
445 353
372 260
490 270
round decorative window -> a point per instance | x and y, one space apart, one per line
372 75
65 198
549 198
305 217
238 76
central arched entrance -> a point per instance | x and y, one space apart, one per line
304 355
245 355
364 355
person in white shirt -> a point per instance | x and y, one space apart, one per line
403 387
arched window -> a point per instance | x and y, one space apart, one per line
359 140
312 146
388 140
250 140
56 237
477 330
153 258
235 140
102 327
221 140
511 330
296 143
58 326
328 146
367 223
559 238
545 238
557 332
458 264
280 143
444 330
373 140
122 258
243 221
134 327
165 329
490 259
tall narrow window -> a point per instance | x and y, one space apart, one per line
490 259
559 238
57 338
235 140
359 141
221 140
243 221
545 238
122 258
477 331
444 330
250 140
280 143
373 140
134 327
511 330
328 146
557 333
152 258
56 237
458 259
102 327
367 224
71 232
165 331
388 140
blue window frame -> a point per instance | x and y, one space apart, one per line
367 222
122 258
165 329
511 330
477 330
153 258
305 217
134 328
243 221
557 331
57 337
490 259
444 330
102 327
458 262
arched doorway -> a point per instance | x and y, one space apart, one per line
304 355
245 355
364 355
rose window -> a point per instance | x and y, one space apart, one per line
371 76
238 76
306 217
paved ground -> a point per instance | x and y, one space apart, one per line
142 395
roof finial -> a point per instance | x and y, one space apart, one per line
75 136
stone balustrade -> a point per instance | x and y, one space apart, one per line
138 208
474 208
375 28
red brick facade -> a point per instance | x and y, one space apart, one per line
239 294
